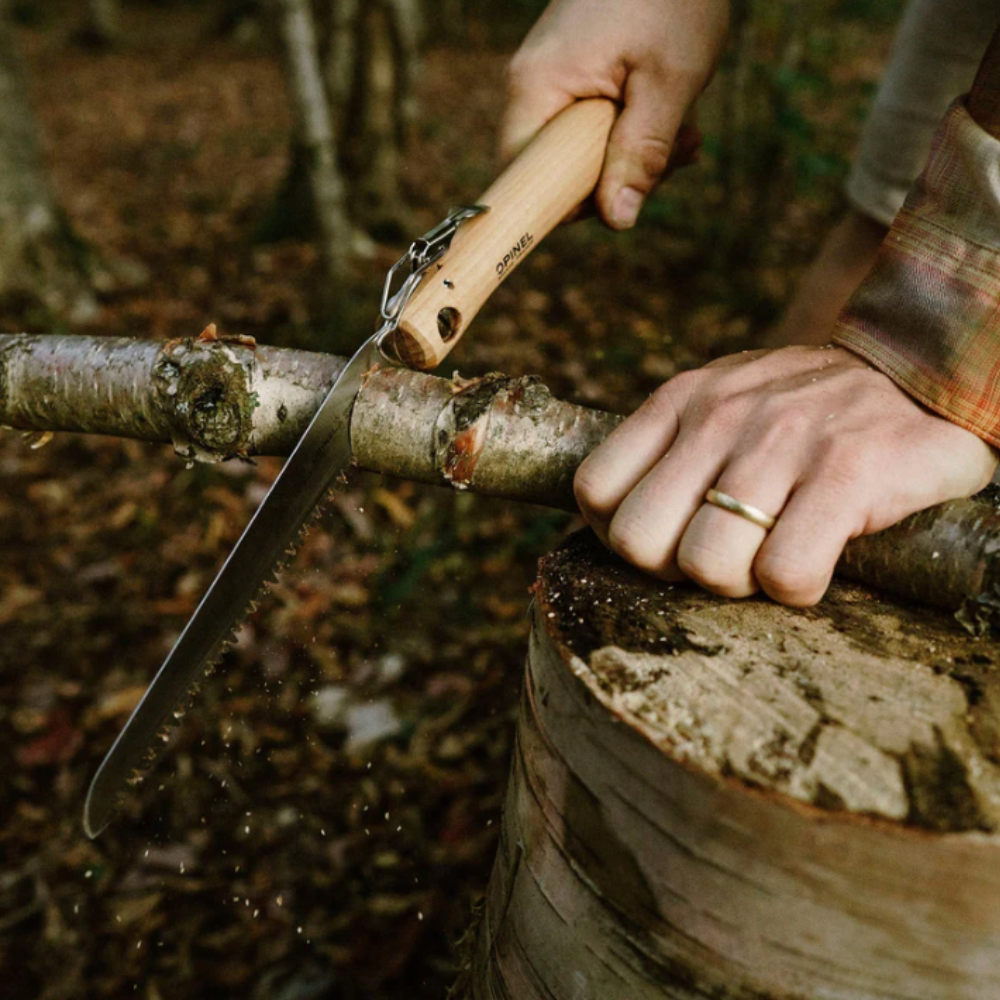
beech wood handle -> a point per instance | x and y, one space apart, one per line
557 171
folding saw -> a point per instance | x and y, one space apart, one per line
431 295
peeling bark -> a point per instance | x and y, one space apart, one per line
216 399
219 399
739 800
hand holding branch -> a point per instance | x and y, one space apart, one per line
814 437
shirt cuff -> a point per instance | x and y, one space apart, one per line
928 314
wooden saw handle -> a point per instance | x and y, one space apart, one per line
557 171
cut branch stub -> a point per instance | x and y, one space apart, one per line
507 437
212 399
209 394
735 799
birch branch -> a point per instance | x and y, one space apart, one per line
219 399
215 399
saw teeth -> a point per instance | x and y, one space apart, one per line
156 749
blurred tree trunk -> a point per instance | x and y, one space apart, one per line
315 152
369 54
764 128
41 261
378 115
733 155
340 64
102 24
240 20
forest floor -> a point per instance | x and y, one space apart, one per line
326 820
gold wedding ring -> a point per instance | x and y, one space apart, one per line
744 510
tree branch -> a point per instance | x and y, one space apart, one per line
215 399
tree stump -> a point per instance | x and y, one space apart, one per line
735 800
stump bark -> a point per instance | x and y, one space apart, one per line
736 800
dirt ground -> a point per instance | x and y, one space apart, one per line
326 820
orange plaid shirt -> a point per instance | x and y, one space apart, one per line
928 314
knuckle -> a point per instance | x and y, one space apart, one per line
673 75
844 466
777 430
652 154
724 413
681 75
664 401
712 570
675 395
789 581
785 423
592 492
633 540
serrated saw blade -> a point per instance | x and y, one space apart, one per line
322 454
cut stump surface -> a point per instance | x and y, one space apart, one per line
732 799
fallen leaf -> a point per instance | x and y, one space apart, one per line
119 703
57 746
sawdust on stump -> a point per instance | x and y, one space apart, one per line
732 799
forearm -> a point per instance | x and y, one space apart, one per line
928 315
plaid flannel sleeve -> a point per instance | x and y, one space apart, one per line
928 314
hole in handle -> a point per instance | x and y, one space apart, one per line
449 323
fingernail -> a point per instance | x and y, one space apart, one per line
625 209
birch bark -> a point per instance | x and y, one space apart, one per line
713 798
709 798
216 399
